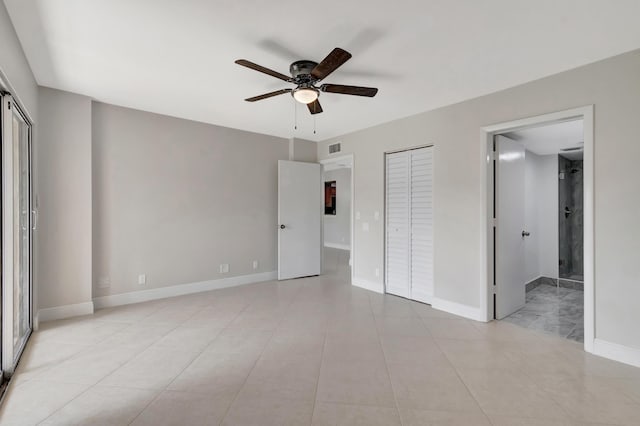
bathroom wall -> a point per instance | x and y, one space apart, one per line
570 218
541 216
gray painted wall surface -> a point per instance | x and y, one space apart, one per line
64 187
174 199
612 85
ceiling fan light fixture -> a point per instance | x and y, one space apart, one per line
305 95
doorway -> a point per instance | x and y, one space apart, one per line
337 219
525 248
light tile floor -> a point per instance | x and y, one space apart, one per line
554 310
315 350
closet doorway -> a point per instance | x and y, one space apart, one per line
409 223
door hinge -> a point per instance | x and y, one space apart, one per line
494 289
493 222
9 105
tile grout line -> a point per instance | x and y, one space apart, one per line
315 397
435 340
119 366
386 366
226 413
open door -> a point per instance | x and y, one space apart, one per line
299 219
510 222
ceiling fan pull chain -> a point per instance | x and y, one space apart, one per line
314 124
295 116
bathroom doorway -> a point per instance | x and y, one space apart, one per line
540 254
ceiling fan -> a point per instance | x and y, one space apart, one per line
306 75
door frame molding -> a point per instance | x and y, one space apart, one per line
328 164
586 113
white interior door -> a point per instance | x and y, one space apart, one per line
510 222
397 273
421 218
299 219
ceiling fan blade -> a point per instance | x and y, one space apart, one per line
260 68
349 90
335 59
268 95
314 107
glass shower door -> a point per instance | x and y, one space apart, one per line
17 233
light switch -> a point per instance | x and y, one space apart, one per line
357 215
376 215
365 226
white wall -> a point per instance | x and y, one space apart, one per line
174 199
64 188
337 229
541 215
612 85
547 189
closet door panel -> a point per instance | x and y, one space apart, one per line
397 272
421 224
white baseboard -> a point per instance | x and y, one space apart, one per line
617 352
65 311
180 290
368 285
337 246
459 309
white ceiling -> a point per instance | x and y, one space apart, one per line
176 57
553 138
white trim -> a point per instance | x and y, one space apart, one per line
350 159
466 311
368 285
617 352
337 246
486 248
180 290
65 311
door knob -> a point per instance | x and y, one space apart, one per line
525 234
282 226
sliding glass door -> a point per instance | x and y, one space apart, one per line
17 224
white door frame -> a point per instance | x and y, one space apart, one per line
327 165
585 113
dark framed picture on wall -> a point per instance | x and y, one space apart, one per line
330 198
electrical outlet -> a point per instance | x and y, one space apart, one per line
142 279
224 268
104 282
255 264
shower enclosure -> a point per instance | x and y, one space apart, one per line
570 226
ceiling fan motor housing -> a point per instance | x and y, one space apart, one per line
302 69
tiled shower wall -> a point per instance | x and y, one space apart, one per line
570 226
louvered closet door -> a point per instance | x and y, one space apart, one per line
421 224
397 229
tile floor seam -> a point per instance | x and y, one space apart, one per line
226 413
386 365
315 396
188 364
462 381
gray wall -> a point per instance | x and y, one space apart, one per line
337 229
64 187
613 86
14 66
174 199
